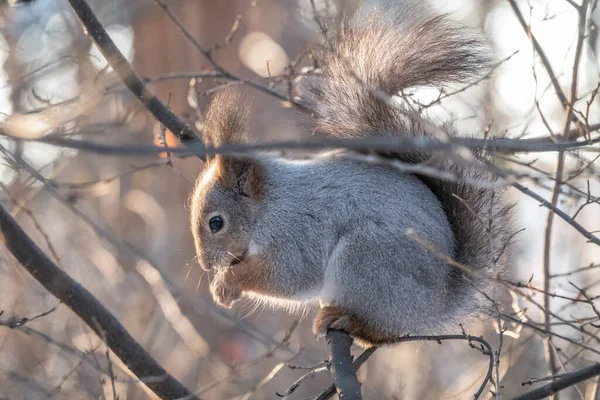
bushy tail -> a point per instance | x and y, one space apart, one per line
368 58
373 57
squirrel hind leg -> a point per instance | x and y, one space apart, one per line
333 317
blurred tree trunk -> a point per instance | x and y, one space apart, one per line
161 48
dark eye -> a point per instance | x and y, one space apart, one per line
215 224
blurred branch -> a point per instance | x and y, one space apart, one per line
538 48
282 344
561 382
183 75
88 308
544 334
123 69
147 270
569 106
207 53
86 357
168 304
564 216
17 322
379 143
578 270
299 381
33 218
88 184
500 145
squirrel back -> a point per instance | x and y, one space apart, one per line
366 61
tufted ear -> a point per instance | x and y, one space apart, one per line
227 123
226 119
243 176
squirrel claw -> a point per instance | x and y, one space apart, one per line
331 317
224 293
226 296
320 335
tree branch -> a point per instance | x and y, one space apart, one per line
562 382
563 215
484 347
89 309
543 58
330 391
340 365
397 144
123 69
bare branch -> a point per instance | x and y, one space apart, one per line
569 106
501 145
561 382
538 48
88 308
15 323
330 391
484 347
564 216
123 69
299 381
340 365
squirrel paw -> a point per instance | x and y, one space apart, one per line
224 292
331 317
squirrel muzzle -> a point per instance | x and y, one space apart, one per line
208 261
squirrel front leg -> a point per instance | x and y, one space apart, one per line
250 275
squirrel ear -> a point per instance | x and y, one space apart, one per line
244 176
227 123
226 119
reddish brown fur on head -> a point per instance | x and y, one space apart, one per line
228 187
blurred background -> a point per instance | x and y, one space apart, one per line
119 224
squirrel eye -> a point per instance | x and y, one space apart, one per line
215 224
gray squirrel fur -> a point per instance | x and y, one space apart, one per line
332 232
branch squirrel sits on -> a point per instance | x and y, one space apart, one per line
336 232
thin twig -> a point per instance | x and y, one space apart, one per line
35 221
564 216
578 270
299 381
561 382
18 322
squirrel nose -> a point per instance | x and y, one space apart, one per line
204 264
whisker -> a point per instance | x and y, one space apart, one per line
187 275
234 256
200 281
255 303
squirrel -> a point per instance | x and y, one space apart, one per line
338 233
